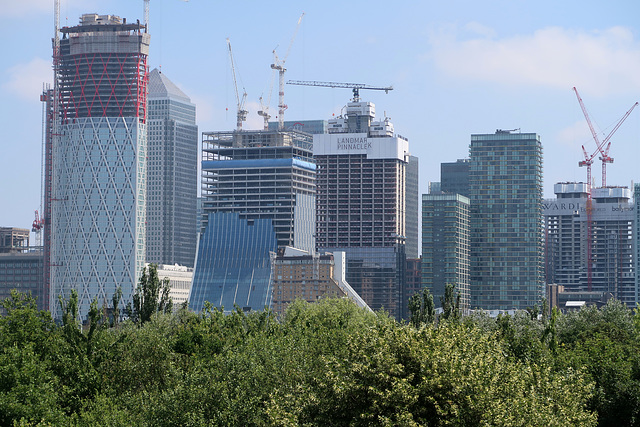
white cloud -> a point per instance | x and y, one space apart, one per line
598 62
25 80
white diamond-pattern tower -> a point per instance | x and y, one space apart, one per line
98 200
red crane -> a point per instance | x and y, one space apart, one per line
37 224
605 158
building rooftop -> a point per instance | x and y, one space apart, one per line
161 87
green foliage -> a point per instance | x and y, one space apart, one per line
150 297
422 308
327 363
451 303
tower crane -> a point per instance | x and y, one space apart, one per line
354 86
278 64
264 109
241 112
604 153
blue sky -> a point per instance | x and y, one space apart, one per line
457 68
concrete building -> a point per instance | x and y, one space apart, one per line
361 202
180 278
99 168
13 240
172 174
445 245
258 190
507 248
300 275
609 247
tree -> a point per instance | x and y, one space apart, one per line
422 308
451 303
150 297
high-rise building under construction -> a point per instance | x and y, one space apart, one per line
98 161
591 252
361 202
258 190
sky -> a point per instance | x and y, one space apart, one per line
458 67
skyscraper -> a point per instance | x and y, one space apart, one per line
361 202
172 174
98 204
602 262
445 245
454 177
412 211
258 195
506 220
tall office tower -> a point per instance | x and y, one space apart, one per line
445 245
258 195
454 177
412 211
507 249
172 174
605 237
361 202
99 165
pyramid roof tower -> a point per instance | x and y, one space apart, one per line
161 87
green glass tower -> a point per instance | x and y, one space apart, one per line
507 249
445 245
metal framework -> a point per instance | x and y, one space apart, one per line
354 86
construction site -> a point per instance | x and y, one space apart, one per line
589 230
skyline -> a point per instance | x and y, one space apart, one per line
457 69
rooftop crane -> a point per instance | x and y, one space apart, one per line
355 86
278 64
241 112
264 109
605 158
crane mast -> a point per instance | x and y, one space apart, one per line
279 65
241 113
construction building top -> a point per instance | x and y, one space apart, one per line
357 132
92 22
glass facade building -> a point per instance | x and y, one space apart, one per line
233 265
172 174
99 161
454 177
445 245
22 271
507 233
265 179
412 212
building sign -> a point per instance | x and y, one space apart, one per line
360 143
552 207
